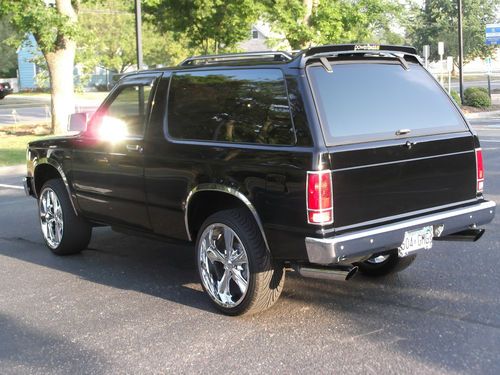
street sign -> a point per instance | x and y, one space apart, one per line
449 64
427 50
440 48
493 33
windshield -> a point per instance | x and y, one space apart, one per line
363 101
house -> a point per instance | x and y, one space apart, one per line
262 38
27 53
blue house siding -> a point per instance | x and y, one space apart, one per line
27 69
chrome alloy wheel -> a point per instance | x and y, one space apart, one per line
51 218
223 265
378 259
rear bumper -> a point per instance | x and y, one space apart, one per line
357 245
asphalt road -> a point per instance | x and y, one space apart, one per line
15 109
130 305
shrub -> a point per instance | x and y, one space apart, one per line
456 97
477 97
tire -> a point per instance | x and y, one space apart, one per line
221 272
63 231
392 264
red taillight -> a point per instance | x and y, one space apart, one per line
479 170
319 198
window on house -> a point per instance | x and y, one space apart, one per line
255 34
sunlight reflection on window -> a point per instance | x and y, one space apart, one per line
112 129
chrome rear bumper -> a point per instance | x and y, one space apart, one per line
359 244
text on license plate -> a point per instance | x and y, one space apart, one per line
416 240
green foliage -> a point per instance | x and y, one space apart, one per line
107 38
211 26
437 20
456 97
46 23
8 57
306 22
477 97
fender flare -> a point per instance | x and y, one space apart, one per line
53 163
227 190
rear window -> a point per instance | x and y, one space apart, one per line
362 101
238 106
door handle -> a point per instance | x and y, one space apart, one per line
135 148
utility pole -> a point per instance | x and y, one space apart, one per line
138 33
460 51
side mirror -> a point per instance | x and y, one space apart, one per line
78 122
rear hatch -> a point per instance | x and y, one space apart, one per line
398 145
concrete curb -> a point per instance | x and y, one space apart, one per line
13 170
479 115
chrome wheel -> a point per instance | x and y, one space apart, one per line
223 265
378 259
51 218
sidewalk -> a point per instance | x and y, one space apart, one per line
483 115
19 169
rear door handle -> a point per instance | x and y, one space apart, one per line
135 148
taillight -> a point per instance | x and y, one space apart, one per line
319 198
479 170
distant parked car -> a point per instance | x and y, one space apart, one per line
5 89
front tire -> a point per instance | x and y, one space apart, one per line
385 264
63 231
235 267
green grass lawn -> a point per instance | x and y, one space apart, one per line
13 149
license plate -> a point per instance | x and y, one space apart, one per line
416 240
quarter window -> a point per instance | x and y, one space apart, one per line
243 106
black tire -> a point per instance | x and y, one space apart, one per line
265 277
76 231
391 265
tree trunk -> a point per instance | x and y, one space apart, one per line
61 61
61 65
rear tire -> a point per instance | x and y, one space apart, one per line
63 231
243 280
392 264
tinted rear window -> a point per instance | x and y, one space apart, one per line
242 106
369 101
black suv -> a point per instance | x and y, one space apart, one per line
340 158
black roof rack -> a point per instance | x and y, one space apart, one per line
207 59
358 47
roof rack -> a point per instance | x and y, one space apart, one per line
358 47
207 59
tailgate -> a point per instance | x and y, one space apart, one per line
393 179
398 145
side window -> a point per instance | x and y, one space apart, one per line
130 106
241 106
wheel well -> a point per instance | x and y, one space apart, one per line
205 203
43 173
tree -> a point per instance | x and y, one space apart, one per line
312 22
109 38
211 26
8 57
54 25
437 21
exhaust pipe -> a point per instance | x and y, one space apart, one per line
342 273
471 235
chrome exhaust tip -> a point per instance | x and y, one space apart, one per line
342 273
